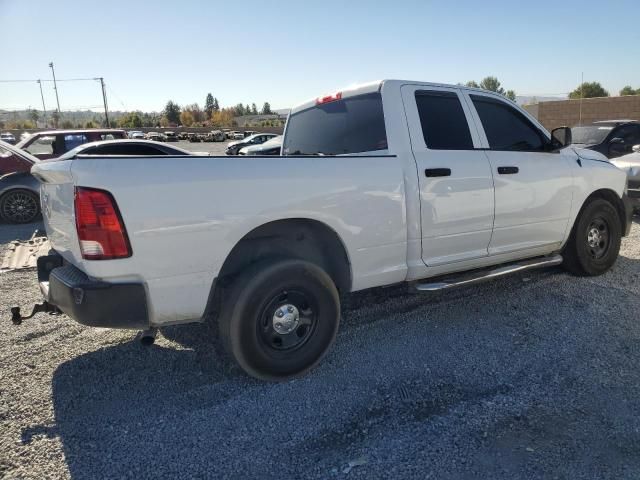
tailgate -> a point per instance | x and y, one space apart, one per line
57 202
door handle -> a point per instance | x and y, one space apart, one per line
508 170
437 172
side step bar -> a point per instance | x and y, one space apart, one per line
477 276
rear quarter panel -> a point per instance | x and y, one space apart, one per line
184 215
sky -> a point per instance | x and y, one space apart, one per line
286 52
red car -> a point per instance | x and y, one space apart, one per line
52 144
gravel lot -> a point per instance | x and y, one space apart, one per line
534 376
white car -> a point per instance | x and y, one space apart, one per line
8 137
393 181
136 135
631 165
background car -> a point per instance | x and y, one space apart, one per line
8 137
270 147
612 138
631 164
259 138
171 136
19 190
53 143
238 135
155 136
136 134
217 135
128 148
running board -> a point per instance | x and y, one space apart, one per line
477 276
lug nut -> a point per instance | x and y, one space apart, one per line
279 314
290 309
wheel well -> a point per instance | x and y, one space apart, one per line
611 197
304 239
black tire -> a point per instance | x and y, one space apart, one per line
593 246
248 321
19 206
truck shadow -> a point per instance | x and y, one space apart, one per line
130 411
9 232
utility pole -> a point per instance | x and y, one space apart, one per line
104 99
44 109
55 86
581 96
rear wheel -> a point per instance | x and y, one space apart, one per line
595 240
19 206
280 318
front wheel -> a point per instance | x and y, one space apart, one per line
19 206
280 318
593 246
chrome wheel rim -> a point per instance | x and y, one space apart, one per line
598 238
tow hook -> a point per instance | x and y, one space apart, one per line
17 318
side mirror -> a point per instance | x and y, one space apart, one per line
616 141
636 148
561 137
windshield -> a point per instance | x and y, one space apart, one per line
590 135
351 125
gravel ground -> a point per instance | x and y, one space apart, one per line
534 376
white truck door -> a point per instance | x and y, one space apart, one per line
456 185
533 185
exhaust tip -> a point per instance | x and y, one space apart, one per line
148 337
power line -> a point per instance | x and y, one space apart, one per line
44 80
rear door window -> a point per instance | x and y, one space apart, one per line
74 140
350 125
444 124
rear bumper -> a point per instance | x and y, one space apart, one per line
92 302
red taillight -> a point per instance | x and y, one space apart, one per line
100 229
329 98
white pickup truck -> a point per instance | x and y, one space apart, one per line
393 181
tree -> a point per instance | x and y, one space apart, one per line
266 109
492 84
239 110
186 118
55 116
172 112
131 120
254 109
196 112
209 106
628 90
90 124
589 90
67 124
216 105
34 115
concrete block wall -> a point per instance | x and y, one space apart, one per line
567 112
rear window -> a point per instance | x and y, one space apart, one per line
351 125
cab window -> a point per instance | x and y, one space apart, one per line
506 128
